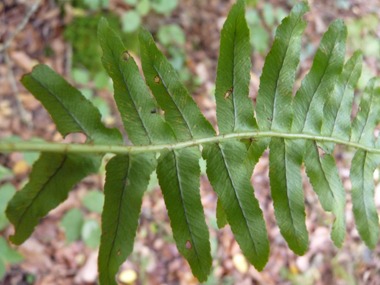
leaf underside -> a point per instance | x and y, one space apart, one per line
321 107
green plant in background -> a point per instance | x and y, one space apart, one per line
259 35
76 226
318 117
7 255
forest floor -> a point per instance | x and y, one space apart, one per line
155 259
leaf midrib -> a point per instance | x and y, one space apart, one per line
237 198
175 103
111 278
39 192
63 106
341 101
295 232
129 92
183 204
279 72
367 214
320 81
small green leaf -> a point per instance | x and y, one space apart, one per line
180 109
80 76
143 7
171 35
324 176
337 110
5 173
131 21
8 254
94 201
127 178
71 112
52 177
285 160
259 38
6 193
72 223
101 80
102 106
179 174
164 6
318 83
230 181
274 101
135 104
268 14
234 108
368 116
362 195
91 233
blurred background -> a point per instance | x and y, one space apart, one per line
62 34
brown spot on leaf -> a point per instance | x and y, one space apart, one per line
227 94
157 79
188 245
118 252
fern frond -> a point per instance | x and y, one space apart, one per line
274 101
54 175
234 108
50 181
229 179
180 109
285 160
303 129
316 86
127 177
179 174
136 106
364 164
324 178
337 110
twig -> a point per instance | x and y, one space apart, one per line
12 80
21 26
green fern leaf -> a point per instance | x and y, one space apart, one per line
362 193
337 110
229 179
316 86
127 178
324 177
49 185
234 108
70 110
364 164
180 109
367 117
52 177
179 173
136 106
274 100
285 159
